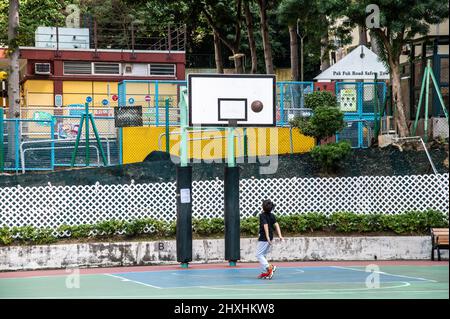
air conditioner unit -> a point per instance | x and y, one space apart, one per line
128 68
42 68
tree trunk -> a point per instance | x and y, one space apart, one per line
251 37
374 44
324 56
238 65
400 117
218 54
362 35
13 78
294 52
265 37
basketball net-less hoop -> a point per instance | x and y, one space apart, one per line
217 100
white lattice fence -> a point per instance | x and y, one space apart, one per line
52 206
365 194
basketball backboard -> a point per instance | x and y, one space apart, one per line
231 100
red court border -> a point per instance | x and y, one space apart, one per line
125 269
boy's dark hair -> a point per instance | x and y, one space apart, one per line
268 206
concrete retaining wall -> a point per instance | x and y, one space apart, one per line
213 250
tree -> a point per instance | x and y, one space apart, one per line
263 7
298 15
326 120
330 155
400 21
251 36
13 79
289 13
219 13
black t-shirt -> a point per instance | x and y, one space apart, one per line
266 218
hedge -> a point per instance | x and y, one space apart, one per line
407 223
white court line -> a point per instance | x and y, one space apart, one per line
234 294
136 282
385 273
331 290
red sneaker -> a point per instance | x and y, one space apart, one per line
271 270
263 275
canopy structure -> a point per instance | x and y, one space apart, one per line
360 64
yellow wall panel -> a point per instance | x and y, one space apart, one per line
138 142
38 93
39 86
140 88
39 99
104 87
80 87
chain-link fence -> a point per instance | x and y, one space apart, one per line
46 138
48 135
363 104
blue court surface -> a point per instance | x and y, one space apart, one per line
386 281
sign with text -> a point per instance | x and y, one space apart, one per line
348 101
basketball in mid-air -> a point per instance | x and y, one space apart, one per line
257 106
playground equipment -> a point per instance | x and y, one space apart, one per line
87 117
427 74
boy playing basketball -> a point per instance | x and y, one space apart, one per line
267 222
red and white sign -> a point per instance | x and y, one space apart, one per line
115 97
148 98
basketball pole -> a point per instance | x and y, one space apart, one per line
231 196
184 191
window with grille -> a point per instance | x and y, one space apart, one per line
107 68
77 67
162 69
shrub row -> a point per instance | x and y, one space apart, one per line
413 222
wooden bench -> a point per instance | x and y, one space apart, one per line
439 240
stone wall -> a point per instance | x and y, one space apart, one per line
213 250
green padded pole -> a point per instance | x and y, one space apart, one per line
183 125
184 191
245 143
231 198
167 127
230 147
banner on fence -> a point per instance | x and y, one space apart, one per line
128 116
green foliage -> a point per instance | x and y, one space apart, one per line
25 233
330 155
345 222
108 228
44 236
315 221
5 236
82 231
412 222
324 122
135 227
161 227
250 225
208 226
320 98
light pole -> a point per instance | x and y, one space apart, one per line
301 36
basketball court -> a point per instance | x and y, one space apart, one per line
294 280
